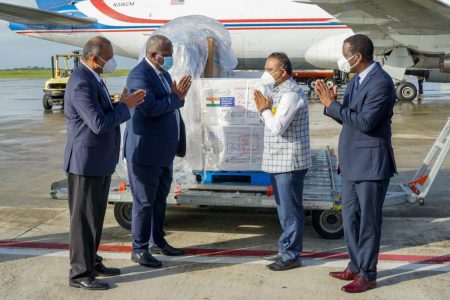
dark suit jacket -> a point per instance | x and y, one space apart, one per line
151 135
365 146
93 126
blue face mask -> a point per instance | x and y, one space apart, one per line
168 63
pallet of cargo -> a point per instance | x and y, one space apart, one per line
231 177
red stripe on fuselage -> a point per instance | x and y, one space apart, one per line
290 28
80 31
150 30
114 14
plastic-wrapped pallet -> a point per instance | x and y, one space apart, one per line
223 127
233 147
189 36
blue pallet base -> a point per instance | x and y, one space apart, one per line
233 177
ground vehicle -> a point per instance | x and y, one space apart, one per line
309 77
54 88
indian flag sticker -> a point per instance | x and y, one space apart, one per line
212 102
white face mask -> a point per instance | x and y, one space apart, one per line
267 79
344 65
109 66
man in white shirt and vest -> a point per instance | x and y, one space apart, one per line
287 154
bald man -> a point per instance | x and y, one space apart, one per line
91 155
152 139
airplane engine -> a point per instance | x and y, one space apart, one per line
444 64
436 75
325 53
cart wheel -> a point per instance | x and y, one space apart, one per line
328 223
330 82
46 102
122 213
311 83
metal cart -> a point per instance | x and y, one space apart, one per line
321 193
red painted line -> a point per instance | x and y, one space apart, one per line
114 14
105 9
275 20
150 30
282 28
83 31
423 259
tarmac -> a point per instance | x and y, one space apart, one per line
224 245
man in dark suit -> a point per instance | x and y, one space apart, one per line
365 154
153 136
91 155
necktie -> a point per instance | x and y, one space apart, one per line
102 83
357 83
169 90
164 82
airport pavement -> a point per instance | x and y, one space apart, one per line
415 260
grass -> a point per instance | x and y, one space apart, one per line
27 73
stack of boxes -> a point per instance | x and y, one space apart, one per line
233 135
228 127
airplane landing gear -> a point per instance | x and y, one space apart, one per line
405 91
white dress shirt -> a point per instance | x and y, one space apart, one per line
168 89
289 105
99 81
366 72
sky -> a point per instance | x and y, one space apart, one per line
21 51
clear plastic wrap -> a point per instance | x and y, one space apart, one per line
233 147
223 129
189 35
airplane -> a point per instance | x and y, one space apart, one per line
311 32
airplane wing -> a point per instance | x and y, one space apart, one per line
32 16
390 17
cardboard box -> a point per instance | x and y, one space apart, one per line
228 102
233 148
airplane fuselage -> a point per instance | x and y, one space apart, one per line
256 27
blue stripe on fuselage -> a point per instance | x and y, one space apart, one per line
98 26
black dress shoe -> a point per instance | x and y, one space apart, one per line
281 265
145 259
272 257
166 250
98 259
101 270
89 283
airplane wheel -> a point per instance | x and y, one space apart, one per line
122 214
330 82
46 102
406 91
311 83
328 223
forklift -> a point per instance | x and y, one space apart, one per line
54 88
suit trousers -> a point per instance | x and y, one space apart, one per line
362 212
88 197
288 191
150 187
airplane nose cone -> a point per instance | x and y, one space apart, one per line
325 53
